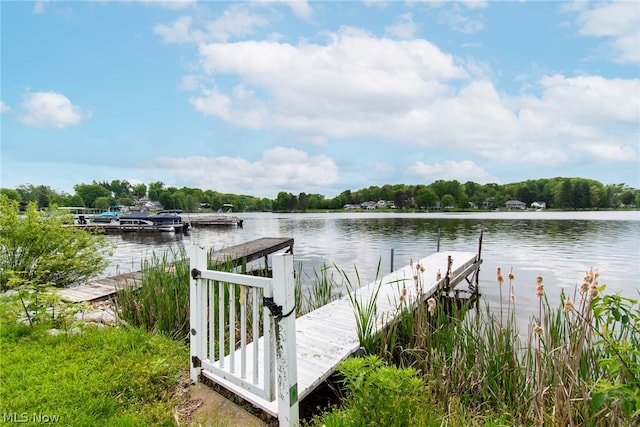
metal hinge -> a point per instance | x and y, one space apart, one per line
196 362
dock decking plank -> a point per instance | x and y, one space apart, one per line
104 288
327 336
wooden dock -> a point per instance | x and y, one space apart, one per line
327 336
235 255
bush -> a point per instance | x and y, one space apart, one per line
37 250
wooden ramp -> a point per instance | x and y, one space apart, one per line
234 255
328 335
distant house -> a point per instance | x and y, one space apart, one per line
539 205
516 204
368 205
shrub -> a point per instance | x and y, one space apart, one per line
38 251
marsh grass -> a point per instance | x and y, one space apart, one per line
576 364
160 301
365 308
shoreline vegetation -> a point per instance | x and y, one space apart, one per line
575 364
443 195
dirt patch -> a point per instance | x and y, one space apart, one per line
202 406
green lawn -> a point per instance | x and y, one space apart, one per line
106 377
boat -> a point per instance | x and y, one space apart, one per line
107 217
166 221
223 216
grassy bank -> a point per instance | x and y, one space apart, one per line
110 376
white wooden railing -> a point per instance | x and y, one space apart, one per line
243 332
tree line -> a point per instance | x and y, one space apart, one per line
559 193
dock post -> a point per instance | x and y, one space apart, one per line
286 354
197 311
391 260
438 243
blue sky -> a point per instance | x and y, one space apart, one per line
260 97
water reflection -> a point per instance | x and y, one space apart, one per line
561 247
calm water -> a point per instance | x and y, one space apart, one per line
561 246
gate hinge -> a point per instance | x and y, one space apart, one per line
195 274
196 362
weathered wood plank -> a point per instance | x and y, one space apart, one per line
104 288
327 336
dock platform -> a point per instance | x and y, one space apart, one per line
236 255
327 336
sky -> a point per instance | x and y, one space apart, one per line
319 97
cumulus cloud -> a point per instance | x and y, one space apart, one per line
4 108
357 85
463 171
237 21
52 110
301 9
404 27
616 21
279 169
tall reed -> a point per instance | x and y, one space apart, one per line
578 364
160 300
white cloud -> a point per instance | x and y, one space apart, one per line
236 21
279 169
51 109
4 108
38 6
360 86
463 171
179 31
404 28
617 21
301 9
170 4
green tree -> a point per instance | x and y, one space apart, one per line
155 188
447 201
139 190
90 192
74 200
38 251
426 198
102 203
564 197
11 194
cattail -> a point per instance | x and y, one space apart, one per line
403 295
512 277
499 275
431 302
439 276
568 305
411 262
538 329
513 297
584 287
539 287
422 268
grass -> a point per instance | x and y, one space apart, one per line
161 303
109 377
577 364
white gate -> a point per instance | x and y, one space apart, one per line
243 333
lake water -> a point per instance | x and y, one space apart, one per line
561 246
